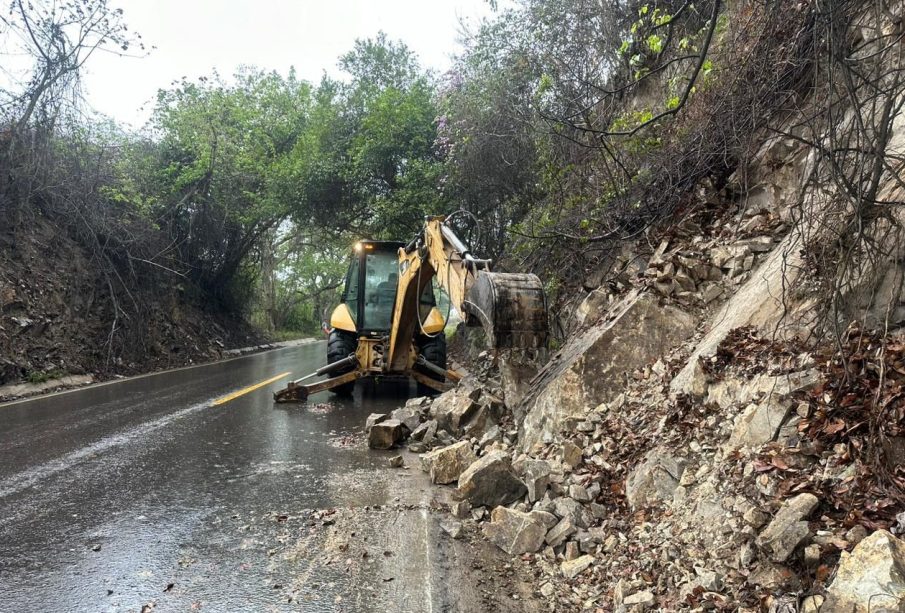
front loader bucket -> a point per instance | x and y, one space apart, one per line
511 307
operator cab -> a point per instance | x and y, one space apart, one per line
370 288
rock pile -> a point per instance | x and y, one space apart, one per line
677 453
656 503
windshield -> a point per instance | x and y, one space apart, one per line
381 279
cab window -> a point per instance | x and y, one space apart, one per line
350 296
381 280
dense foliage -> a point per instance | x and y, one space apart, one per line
564 126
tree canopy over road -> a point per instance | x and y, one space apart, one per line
563 125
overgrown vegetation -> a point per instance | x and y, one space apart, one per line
565 126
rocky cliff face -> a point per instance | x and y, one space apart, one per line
695 445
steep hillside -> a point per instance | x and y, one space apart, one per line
723 426
57 317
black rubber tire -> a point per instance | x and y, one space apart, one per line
433 349
339 345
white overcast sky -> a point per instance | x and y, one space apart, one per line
192 37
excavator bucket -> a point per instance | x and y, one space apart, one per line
511 307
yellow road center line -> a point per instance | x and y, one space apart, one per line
250 388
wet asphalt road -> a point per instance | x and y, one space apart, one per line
143 493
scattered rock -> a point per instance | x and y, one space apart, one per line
560 532
755 517
386 434
571 454
460 510
573 568
574 511
409 416
548 519
699 380
454 408
480 423
871 577
812 556
453 528
396 462
425 432
374 418
515 532
654 480
787 530
856 534
579 493
446 464
490 481
493 434
710 580
812 604
772 576
758 424
537 478
640 599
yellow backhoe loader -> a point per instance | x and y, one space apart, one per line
388 323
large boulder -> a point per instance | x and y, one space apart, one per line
870 578
446 464
386 434
788 529
654 480
455 408
490 482
515 532
589 369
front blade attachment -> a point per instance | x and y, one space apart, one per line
293 392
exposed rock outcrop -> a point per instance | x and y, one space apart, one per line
593 367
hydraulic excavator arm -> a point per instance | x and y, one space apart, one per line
432 254
511 307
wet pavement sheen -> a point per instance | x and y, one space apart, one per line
142 492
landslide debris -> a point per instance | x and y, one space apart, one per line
706 455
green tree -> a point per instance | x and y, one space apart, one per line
225 169
370 159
